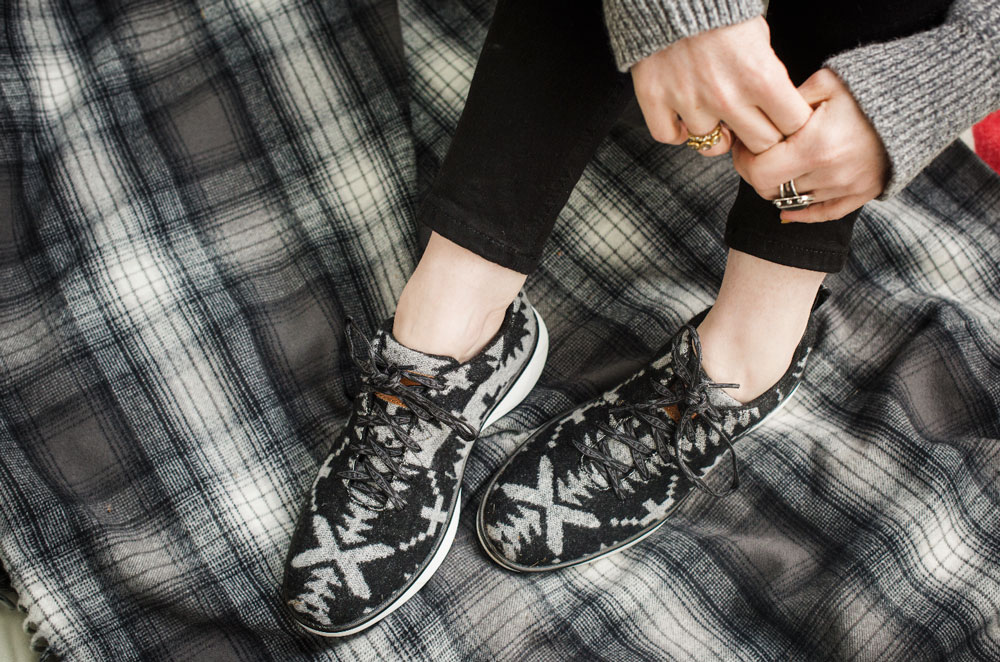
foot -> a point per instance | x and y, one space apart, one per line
454 302
749 336
384 508
606 475
754 363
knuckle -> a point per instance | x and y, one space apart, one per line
826 75
726 100
662 93
650 89
763 80
652 93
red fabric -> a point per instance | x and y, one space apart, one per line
987 137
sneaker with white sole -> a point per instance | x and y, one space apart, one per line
605 475
384 508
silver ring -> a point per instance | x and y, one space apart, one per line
789 198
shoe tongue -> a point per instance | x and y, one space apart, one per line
720 398
395 352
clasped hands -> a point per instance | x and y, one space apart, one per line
815 134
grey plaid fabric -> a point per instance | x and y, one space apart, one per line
194 196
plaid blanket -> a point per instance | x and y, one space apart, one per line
193 196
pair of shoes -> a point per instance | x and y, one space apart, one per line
602 477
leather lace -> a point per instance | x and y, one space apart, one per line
378 462
690 390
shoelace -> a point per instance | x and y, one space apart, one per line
381 377
691 392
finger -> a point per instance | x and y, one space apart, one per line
743 160
723 146
790 159
662 122
823 194
765 173
742 156
830 210
819 87
698 123
803 183
755 130
826 181
813 181
784 105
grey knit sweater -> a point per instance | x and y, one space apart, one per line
919 92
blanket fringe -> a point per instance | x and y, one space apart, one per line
9 597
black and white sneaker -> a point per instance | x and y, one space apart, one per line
607 474
384 508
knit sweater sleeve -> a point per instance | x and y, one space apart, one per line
639 28
920 92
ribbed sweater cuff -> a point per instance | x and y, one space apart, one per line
639 28
922 91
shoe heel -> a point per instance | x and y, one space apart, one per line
527 379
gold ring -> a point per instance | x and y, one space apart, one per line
707 141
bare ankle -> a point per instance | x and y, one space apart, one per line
455 301
750 334
725 360
446 331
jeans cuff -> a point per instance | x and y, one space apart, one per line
790 255
437 216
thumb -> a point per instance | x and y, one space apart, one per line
819 87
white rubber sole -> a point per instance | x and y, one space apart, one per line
517 393
499 560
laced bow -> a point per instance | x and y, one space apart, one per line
380 377
690 391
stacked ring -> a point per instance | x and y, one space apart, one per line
707 141
791 199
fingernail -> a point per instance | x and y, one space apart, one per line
786 220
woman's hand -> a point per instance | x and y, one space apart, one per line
837 156
729 74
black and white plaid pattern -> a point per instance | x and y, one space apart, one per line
194 198
560 501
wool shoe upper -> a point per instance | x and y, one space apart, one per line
383 498
606 474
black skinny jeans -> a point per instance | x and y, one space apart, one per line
546 92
